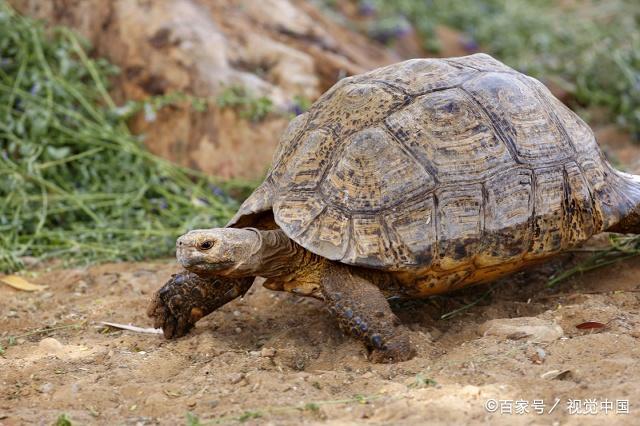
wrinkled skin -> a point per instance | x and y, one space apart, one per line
186 298
221 256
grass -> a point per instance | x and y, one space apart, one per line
75 183
248 105
621 247
421 381
592 48
63 420
313 408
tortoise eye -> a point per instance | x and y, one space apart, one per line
206 245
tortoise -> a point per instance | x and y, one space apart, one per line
413 179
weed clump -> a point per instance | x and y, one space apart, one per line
248 105
74 182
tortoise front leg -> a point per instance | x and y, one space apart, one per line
187 297
364 312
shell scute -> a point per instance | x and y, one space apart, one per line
507 225
412 231
521 118
549 212
371 173
419 76
354 106
460 225
450 135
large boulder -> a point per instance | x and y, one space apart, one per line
280 49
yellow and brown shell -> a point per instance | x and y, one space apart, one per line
447 171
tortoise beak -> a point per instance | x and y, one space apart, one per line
198 265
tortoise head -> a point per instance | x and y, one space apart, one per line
218 251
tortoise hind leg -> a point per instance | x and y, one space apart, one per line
363 311
630 224
628 202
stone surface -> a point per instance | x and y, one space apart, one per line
525 328
50 345
274 48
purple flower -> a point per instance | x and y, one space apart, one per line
160 203
469 44
402 30
367 8
297 109
35 89
218 192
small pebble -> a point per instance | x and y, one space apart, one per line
236 378
525 328
82 286
238 330
46 388
268 352
50 345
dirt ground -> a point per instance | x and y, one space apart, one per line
277 358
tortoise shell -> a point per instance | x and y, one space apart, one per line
452 170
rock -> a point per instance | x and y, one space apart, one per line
236 378
51 346
157 402
268 352
470 390
279 49
526 328
45 388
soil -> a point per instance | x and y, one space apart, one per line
277 358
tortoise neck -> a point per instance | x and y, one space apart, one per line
277 256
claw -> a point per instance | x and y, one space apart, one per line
186 298
396 350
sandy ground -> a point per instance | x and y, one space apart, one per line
277 358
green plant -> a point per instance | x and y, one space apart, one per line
249 106
301 104
421 381
193 420
249 415
591 48
63 420
74 182
622 247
